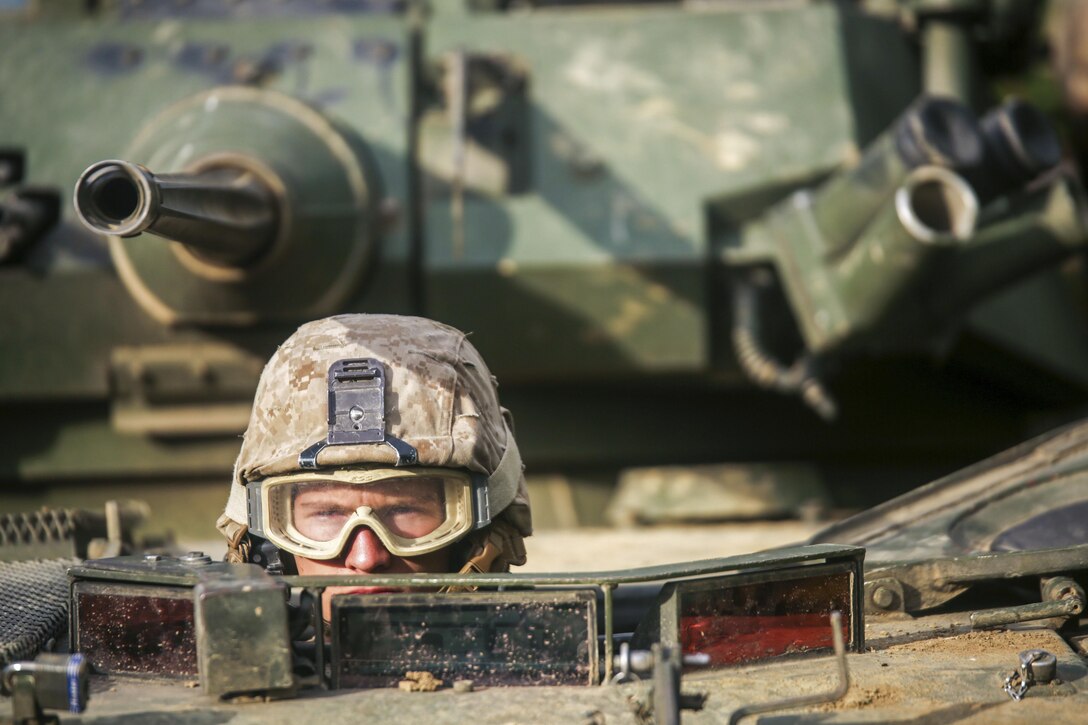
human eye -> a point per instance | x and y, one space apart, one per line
321 522
329 512
410 519
399 512
402 509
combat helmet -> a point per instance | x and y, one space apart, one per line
356 392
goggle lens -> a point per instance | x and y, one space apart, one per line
408 508
412 513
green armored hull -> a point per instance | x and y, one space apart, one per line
964 605
701 234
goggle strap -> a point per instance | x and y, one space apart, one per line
502 484
253 505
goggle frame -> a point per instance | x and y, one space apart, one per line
467 509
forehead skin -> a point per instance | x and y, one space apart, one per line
424 491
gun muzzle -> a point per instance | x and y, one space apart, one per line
225 214
931 132
934 208
1021 145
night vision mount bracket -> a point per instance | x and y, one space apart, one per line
357 412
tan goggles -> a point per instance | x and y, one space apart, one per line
412 511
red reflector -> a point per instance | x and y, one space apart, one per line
735 624
149 632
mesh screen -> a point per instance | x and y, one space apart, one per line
37 527
33 606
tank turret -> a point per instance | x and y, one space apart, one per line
652 219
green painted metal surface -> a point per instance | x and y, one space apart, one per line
674 108
579 187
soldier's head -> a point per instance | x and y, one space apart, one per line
377 445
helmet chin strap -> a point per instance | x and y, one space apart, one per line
479 563
495 549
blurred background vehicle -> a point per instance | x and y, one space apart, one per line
728 259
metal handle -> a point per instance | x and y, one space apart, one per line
1062 597
841 688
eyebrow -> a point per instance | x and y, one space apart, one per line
315 500
322 500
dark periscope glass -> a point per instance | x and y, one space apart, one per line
757 621
137 634
490 643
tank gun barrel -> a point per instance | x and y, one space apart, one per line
224 214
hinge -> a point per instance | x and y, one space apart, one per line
182 390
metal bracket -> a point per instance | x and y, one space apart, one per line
53 681
181 390
406 454
482 502
356 412
356 402
307 459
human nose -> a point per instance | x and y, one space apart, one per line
367 553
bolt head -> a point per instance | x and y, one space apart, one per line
883 597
